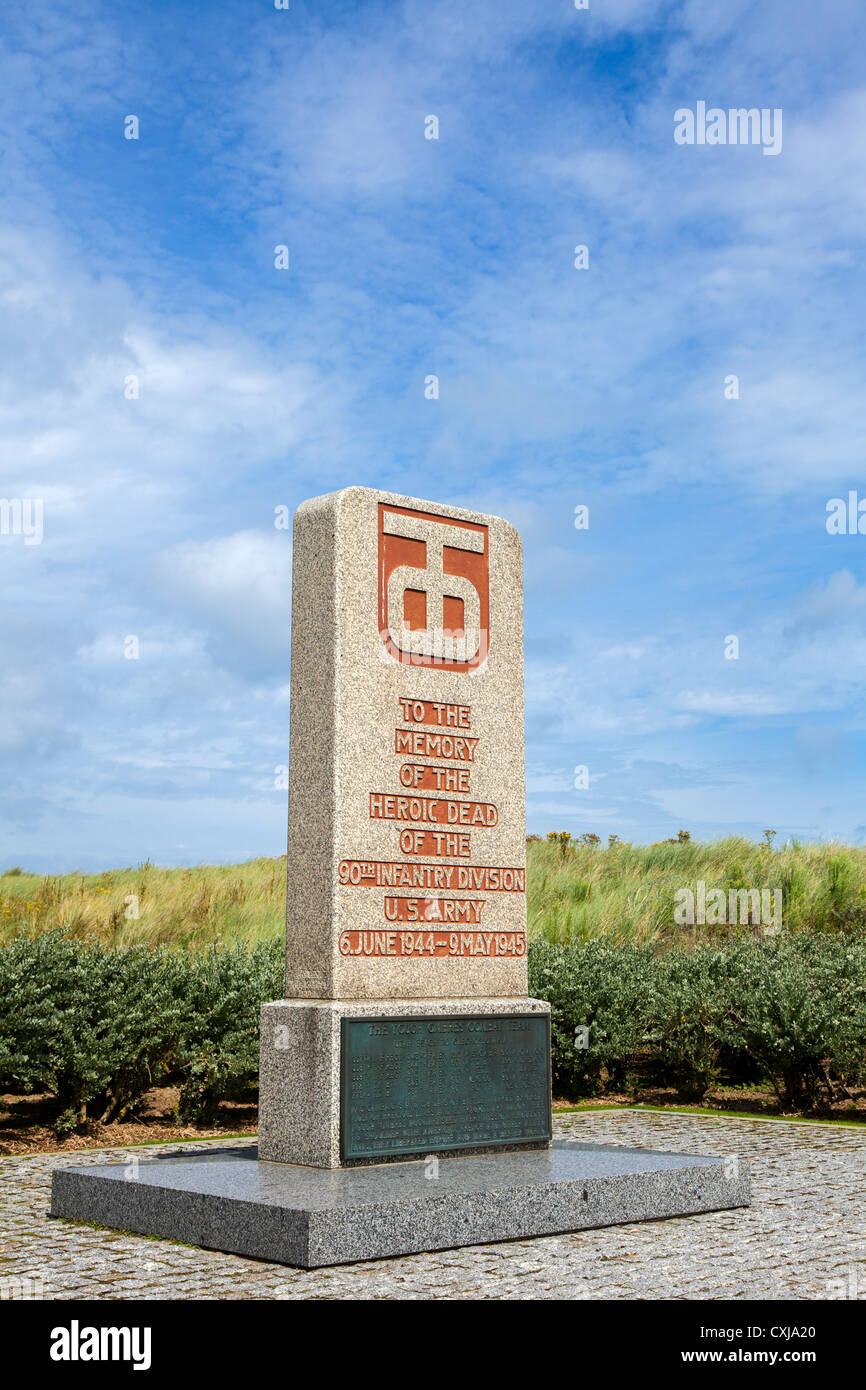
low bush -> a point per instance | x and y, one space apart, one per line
97 1026
601 999
691 997
797 1006
223 995
789 1009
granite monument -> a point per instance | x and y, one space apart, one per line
405 1092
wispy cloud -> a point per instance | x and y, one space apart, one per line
153 260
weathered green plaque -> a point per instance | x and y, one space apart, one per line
418 1085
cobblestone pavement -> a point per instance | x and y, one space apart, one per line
802 1238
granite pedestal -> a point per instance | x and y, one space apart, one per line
302 1079
309 1217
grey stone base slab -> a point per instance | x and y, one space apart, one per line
231 1200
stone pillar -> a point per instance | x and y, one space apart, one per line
406 1027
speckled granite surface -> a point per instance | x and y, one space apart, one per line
228 1200
347 695
803 1237
299 1067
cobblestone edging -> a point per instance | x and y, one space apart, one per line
803 1237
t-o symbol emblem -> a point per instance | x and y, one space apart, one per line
434 589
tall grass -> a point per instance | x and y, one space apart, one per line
575 892
243 903
627 893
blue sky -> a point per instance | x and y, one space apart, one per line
408 257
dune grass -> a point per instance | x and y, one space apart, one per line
627 892
149 906
575 891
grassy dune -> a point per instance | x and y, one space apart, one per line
574 892
627 893
176 907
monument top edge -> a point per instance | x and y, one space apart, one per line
356 493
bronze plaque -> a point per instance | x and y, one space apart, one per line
419 1085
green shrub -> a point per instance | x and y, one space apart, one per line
225 990
790 1009
96 1028
798 1007
690 1001
606 990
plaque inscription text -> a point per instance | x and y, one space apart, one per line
418 1085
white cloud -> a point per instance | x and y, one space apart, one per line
738 704
411 256
236 589
831 601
